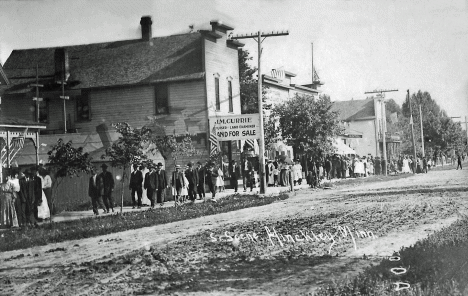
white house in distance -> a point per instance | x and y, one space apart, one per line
363 123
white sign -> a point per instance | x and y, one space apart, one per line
236 127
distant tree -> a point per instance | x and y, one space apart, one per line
130 148
66 161
441 133
308 124
249 85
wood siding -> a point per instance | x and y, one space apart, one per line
222 60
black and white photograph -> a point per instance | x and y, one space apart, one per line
234 147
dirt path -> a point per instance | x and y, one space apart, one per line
47 265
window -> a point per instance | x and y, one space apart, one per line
162 99
43 111
231 103
218 101
83 111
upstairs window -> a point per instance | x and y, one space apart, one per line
162 99
83 110
218 100
231 103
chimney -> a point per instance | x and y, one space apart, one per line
145 23
61 64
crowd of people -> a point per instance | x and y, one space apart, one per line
25 197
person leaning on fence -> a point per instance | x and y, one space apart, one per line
94 189
107 188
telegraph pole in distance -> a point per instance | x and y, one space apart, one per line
422 133
64 98
259 40
412 127
381 93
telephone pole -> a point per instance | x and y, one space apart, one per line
259 40
412 126
381 94
64 98
422 134
36 98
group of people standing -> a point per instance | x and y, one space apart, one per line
25 197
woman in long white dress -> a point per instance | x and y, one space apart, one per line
405 169
220 180
43 208
271 178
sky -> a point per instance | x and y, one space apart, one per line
359 45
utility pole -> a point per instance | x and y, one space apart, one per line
381 95
422 134
64 98
412 126
259 40
36 98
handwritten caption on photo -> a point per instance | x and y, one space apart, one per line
341 233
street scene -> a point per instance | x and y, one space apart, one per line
234 148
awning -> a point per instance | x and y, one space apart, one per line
342 148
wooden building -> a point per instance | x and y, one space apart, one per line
179 80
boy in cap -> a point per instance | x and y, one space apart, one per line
177 182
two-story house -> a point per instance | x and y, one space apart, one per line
364 123
180 80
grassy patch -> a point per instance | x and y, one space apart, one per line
437 265
91 227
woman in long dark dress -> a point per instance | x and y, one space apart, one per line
8 216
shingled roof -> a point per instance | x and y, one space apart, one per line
355 109
170 58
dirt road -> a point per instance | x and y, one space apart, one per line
176 257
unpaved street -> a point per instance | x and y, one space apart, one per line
398 211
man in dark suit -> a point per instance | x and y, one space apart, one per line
235 173
94 189
246 168
107 188
200 170
20 202
344 167
136 180
27 193
35 190
160 184
150 184
192 177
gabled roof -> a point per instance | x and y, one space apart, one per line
170 58
355 109
3 77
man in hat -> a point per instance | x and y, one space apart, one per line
27 193
160 184
192 177
235 173
107 188
20 201
136 180
246 169
150 184
35 185
200 170
94 189
177 182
